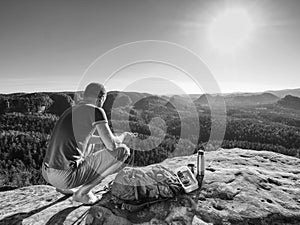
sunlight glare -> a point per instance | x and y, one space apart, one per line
230 30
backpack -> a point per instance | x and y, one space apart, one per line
136 188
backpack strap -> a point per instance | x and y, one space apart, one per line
136 194
106 188
133 208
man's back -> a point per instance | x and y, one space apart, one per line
70 133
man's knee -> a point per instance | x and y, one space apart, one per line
122 152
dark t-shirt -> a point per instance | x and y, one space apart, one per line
71 131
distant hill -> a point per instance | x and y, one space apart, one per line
112 100
254 99
257 99
278 93
290 101
207 99
194 96
136 96
283 93
204 99
119 98
238 98
150 102
181 102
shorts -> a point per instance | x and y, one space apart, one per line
90 169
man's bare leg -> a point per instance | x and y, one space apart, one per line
69 191
84 195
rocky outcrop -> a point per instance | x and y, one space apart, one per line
256 99
290 101
240 187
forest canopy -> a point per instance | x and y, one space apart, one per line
27 120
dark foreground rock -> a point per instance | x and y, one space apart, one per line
240 187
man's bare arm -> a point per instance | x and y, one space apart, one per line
108 138
95 139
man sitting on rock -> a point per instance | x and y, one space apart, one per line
70 164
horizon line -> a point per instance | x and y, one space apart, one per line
220 93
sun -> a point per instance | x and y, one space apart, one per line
230 30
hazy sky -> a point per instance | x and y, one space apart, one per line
47 45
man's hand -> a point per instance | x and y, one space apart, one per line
130 134
125 136
129 138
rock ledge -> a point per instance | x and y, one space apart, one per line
240 187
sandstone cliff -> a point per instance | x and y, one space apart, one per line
240 187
